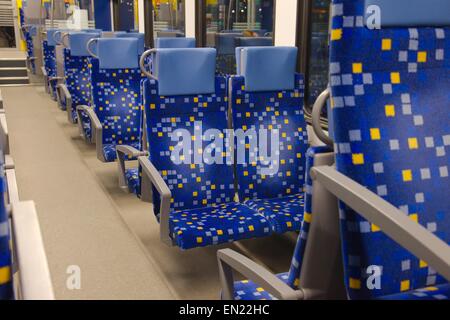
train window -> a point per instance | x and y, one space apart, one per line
169 18
318 51
227 21
76 15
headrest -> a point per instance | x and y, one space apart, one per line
51 36
410 13
92 30
118 53
139 36
268 68
174 43
112 34
185 71
225 42
32 30
254 42
78 42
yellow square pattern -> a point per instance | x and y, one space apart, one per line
386 44
358 159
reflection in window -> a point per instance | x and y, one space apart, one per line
318 62
168 18
75 15
229 20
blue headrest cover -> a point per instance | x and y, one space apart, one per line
226 42
78 42
411 13
174 43
51 36
268 68
118 33
33 30
185 71
254 42
118 53
139 36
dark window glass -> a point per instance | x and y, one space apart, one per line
318 61
229 20
169 18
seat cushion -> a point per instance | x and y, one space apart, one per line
248 290
441 292
109 151
284 214
133 181
215 225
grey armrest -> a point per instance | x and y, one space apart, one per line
151 178
45 75
34 274
13 192
123 154
96 129
4 136
230 260
63 92
393 222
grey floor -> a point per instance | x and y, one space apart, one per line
88 221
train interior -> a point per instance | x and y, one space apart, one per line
225 150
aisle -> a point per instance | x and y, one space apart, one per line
80 224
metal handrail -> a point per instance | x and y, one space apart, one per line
142 63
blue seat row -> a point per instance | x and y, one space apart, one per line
196 200
391 136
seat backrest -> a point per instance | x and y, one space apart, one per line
49 58
269 95
6 287
116 93
139 36
185 102
167 43
76 67
254 42
390 102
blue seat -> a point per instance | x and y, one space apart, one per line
29 31
202 210
249 290
390 104
167 43
254 42
76 72
270 96
6 286
49 59
115 116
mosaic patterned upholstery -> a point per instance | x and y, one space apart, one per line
117 103
441 292
50 62
6 287
203 212
109 150
76 71
296 263
133 180
30 50
248 290
284 214
216 224
282 111
390 104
